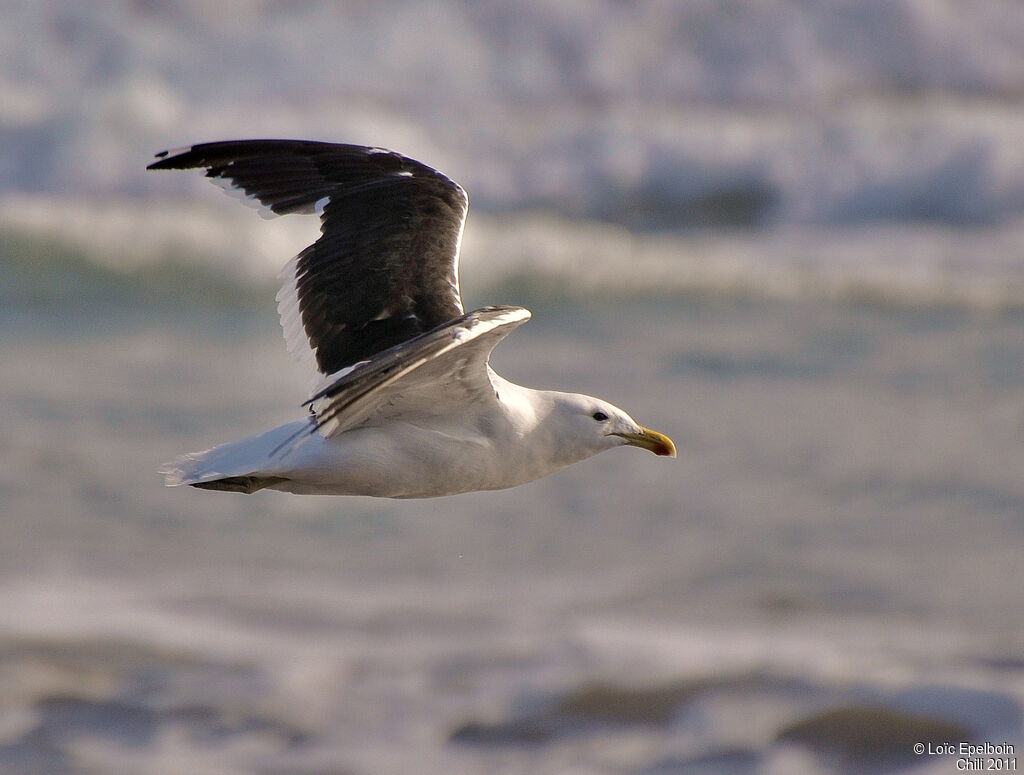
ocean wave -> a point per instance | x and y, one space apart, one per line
54 249
656 118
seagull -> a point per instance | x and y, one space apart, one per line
406 404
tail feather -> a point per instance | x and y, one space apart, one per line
186 469
246 466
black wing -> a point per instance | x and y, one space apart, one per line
386 266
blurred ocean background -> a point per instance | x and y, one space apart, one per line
789 234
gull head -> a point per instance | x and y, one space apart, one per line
599 425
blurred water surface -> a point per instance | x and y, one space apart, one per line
841 532
791 235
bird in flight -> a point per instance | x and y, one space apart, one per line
407 404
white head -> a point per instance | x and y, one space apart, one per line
584 426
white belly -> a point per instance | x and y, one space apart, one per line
402 461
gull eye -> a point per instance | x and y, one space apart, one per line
599 416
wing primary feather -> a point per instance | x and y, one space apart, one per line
385 268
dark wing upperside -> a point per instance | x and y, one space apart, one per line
385 268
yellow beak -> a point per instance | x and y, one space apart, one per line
655 442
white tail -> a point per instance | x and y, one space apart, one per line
245 465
